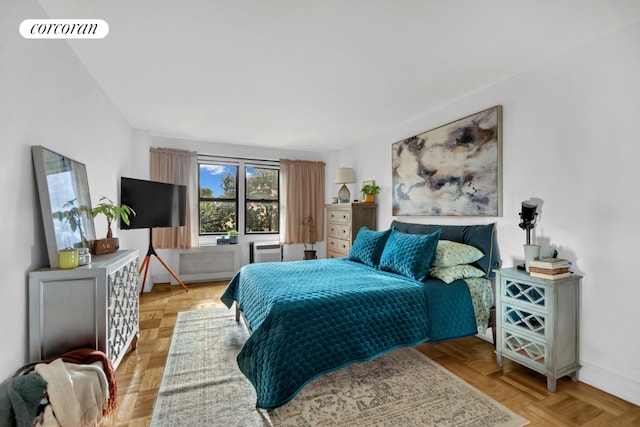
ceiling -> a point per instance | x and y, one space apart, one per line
317 75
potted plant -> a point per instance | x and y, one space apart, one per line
73 216
111 211
370 191
308 225
233 236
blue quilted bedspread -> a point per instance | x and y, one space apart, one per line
309 318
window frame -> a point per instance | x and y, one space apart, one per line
217 199
241 165
247 200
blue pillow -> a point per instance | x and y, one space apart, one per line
409 254
483 237
368 246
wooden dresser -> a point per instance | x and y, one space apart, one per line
344 220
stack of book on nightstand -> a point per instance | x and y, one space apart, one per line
549 268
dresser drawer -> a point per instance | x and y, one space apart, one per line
334 254
530 296
341 246
524 320
524 349
342 216
341 231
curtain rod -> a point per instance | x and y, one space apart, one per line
216 156
238 158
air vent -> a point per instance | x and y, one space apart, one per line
207 263
265 252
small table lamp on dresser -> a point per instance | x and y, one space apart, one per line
344 176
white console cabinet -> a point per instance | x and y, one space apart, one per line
92 306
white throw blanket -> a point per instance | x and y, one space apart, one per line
78 393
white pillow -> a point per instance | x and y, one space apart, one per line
450 253
455 272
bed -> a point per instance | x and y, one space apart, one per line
308 318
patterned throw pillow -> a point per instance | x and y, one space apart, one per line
368 246
409 254
451 253
455 272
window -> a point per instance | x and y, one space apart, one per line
261 200
218 198
227 203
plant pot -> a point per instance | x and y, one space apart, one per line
310 254
233 240
105 246
369 198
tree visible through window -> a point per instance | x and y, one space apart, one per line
221 198
218 198
261 200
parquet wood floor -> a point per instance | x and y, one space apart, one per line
518 388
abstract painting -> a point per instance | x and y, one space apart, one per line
455 169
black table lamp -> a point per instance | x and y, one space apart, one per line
528 217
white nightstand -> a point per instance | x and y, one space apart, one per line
538 323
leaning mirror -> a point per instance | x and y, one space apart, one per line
64 200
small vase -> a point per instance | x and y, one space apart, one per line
369 198
531 252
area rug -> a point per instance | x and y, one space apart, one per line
202 385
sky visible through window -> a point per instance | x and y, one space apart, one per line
211 176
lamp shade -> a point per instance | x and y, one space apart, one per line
344 176
528 213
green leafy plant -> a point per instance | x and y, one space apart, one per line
232 232
112 211
370 189
73 216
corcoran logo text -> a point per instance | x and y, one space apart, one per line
64 29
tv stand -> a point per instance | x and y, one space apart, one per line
147 259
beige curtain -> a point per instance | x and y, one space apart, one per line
177 167
301 198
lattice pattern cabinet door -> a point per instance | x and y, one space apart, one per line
537 323
123 309
92 306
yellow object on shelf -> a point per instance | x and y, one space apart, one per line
68 258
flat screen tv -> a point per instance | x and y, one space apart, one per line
156 204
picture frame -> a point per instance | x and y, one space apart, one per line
452 170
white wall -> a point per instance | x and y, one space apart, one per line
571 140
157 273
46 98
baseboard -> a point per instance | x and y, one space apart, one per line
487 336
610 382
